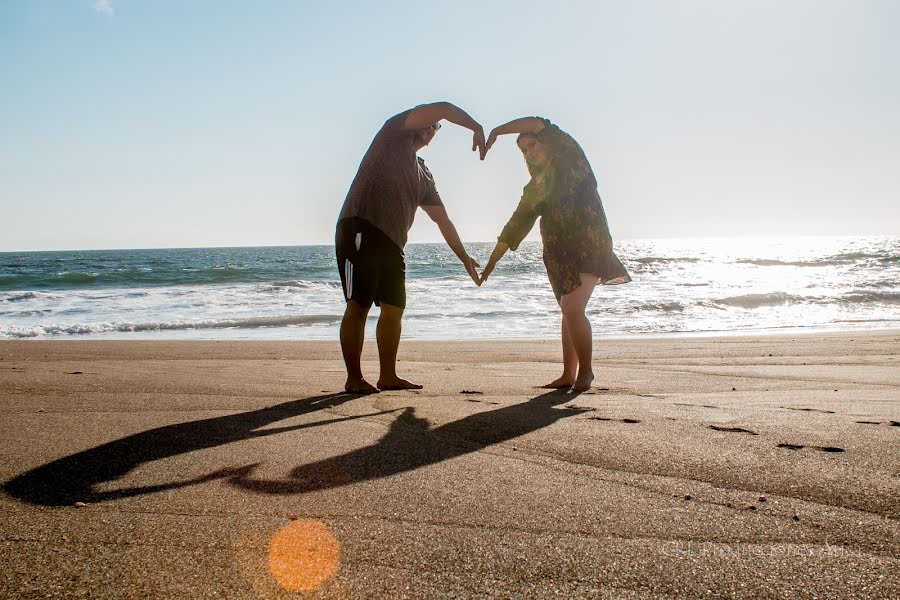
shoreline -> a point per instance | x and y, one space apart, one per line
786 331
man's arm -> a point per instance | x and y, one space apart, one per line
426 115
438 214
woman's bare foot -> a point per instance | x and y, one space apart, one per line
562 382
360 386
583 383
397 384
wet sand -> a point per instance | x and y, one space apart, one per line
725 466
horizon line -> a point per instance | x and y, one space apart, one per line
623 239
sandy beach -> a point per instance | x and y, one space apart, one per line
756 466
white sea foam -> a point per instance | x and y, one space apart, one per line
59 329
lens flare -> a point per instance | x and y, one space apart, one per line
303 555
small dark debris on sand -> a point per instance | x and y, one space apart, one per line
74 372
829 448
791 446
471 392
818 410
820 448
732 429
611 419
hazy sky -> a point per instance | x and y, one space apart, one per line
150 123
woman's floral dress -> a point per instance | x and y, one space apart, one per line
573 224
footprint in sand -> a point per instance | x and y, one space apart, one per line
476 393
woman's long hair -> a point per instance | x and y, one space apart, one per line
533 170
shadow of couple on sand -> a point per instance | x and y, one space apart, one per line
408 444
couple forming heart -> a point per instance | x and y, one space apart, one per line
392 182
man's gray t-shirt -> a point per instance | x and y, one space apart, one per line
391 183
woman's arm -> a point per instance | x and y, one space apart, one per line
523 125
499 250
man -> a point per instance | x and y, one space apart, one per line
392 182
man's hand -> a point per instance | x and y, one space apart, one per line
438 214
478 142
471 266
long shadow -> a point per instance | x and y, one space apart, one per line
409 444
73 478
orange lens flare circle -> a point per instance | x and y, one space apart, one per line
303 555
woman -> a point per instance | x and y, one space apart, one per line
577 246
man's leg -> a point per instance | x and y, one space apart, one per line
353 333
388 335
579 328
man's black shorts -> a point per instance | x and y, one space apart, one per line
371 265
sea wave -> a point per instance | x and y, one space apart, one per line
759 300
305 285
862 296
142 277
854 297
24 296
650 260
151 326
825 261
661 306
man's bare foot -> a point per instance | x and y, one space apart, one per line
397 384
360 386
562 382
583 383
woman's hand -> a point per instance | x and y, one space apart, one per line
492 138
499 250
487 271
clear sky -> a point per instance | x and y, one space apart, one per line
156 123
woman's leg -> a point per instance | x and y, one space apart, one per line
570 361
579 328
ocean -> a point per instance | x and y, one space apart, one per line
681 286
